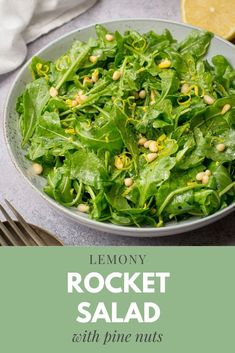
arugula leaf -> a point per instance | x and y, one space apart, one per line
59 186
89 169
51 137
208 201
101 134
75 59
224 72
211 152
127 135
222 176
182 194
169 83
152 176
35 97
196 43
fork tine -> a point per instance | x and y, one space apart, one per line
26 227
14 226
8 234
3 241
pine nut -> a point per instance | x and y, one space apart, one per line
93 59
37 168
147 143
83 208
116 75
109 37
53 92
185 88
142 141
225 109
208 99
142 94
83 98
220 147
153 146
128 182
205 179
200 176
150 157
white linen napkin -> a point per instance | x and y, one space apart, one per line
22 21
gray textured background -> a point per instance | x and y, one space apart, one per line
35 209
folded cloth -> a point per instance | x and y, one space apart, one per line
22 21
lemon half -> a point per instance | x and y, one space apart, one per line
217 16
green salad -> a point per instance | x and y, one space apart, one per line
134 129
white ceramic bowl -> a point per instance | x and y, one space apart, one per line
55 49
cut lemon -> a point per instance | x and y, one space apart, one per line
217 16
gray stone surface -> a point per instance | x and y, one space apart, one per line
35 209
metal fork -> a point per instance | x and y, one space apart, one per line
17 235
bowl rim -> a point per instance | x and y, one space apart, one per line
102 226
